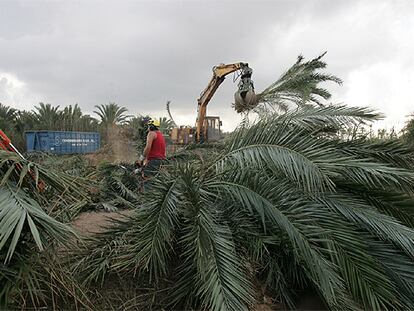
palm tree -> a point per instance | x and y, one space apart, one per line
71 117
166 125
285 202
111 114
47 117
87 124
8 117
25 121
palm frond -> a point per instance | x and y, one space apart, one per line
220 280
284 200
291 163
395 204
26 173
383 226
19 211
299 84
363 274
319 269
156 234
398 268
391 152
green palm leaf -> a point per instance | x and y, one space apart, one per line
209 255
321 271
293 164
156 234
16 210
299 84
383 226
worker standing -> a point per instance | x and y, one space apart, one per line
154 151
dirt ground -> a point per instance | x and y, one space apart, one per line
95 222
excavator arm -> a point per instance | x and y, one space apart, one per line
219 74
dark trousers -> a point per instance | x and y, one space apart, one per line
152 167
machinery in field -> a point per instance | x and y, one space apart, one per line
208 128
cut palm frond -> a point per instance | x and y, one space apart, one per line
285 201
299 85
19 214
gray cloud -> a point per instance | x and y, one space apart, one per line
139 54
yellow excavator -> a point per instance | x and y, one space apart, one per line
207 127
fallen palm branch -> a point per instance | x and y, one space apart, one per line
297 87
283 203
29 235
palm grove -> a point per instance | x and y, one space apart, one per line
51 118
289 201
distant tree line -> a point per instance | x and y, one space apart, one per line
47 117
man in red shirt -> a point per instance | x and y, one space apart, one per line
154 151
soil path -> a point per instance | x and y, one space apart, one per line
94 222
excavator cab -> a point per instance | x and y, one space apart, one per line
212 126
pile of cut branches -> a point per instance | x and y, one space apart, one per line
285 202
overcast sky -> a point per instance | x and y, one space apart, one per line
140 54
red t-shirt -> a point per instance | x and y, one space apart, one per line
157 148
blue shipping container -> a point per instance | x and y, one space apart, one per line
62 142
